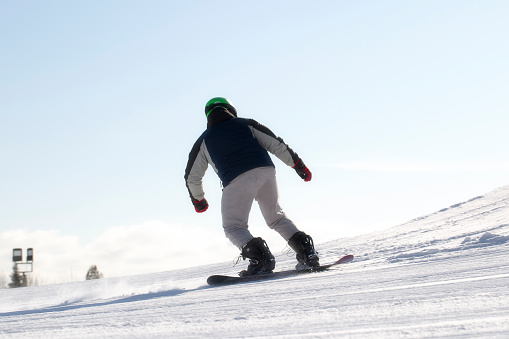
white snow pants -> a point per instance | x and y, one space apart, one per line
257 184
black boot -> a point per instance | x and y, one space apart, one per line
303 245
261 261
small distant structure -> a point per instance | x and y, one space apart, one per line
21 267
93 273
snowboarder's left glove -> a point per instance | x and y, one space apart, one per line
302 170
200 205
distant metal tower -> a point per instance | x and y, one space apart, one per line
23 267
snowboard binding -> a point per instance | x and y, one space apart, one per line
303 245
261 260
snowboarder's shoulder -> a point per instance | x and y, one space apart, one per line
244 121
240 121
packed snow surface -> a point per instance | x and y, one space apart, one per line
441 275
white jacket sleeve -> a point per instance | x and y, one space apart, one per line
196 167
273 144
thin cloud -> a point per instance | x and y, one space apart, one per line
422 166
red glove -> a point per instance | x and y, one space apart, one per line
200 205
302 170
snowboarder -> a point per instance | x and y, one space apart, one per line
236 148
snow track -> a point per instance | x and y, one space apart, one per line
442 275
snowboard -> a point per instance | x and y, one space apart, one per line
218 280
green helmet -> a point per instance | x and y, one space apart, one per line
219 102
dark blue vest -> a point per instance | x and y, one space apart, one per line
233 149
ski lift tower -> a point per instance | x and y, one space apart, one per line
23 267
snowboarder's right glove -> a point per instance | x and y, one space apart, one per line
200 205
302 170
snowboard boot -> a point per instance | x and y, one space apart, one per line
261 261
303 245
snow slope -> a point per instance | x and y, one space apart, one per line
441 275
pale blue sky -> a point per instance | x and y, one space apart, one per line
399 108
